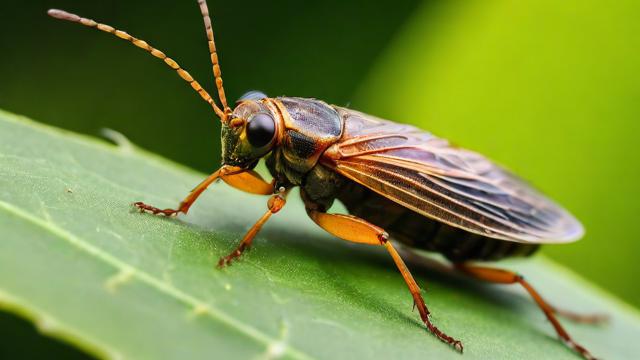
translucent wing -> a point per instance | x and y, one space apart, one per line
452 185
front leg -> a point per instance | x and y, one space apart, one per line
275 204
245 180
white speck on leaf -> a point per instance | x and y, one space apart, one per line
199 310
277 349
122 277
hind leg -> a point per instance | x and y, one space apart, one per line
499 276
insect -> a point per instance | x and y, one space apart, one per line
395 180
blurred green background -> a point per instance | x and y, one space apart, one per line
549 89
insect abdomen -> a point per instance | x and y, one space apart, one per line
423 233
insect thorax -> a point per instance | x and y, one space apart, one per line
310 127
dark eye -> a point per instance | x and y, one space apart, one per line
260 129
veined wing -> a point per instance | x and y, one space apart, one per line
456 186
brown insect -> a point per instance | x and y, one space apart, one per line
426 193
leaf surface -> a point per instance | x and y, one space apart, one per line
84 267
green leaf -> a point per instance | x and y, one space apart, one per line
84 267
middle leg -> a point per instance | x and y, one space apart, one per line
275 204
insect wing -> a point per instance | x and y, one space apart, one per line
456 186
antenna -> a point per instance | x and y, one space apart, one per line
217 74
63 15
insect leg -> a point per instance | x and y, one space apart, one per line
275 204
245 180
249 181
357 230
508 277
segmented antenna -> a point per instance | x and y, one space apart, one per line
217 74
63 15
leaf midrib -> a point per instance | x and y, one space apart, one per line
163 287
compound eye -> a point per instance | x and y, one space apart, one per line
260 129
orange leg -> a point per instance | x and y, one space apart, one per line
245 180
508 277
275 204
357 230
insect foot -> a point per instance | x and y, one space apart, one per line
457 344
154 210
579 349
226 260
